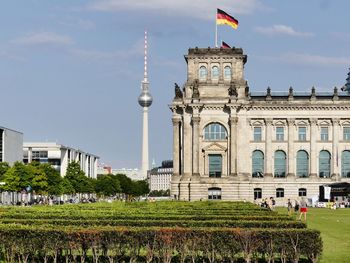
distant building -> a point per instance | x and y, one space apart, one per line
59 156
11 143
104 169
134 174
159 177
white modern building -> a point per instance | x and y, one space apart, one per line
134 174
59 156
232 143
11 143
159 177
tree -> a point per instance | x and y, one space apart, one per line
17 178
76 177
107 185
54 179
125 184
67 187
39 179
4 166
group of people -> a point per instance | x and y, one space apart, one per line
298 207
269 203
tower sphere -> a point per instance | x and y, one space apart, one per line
145 99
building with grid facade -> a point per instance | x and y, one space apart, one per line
59 156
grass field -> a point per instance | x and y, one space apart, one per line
335 231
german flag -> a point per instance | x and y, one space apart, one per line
225 45
222 18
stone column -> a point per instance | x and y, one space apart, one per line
187 145
335 151
291 153
176 145
233 146
268 148
313 152
195 144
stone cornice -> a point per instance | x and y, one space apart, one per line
299 107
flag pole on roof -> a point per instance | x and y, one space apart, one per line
223 18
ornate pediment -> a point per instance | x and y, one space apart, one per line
214 147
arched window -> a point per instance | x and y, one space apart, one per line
302 164
257 193
203 73
324 164
215 72
214 132
227 72
345 164
257 164
280 164
214 193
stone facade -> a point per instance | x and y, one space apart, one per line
233 144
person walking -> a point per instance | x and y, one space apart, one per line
303 209
289 207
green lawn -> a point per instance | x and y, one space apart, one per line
335 231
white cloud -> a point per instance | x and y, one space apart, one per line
282 30
203 9
313 60
43 38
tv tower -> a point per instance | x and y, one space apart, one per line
145 100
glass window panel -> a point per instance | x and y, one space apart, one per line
203 73
324 164
215 72
227 72
302 133
346 133
280 164
279 192
215 165
302 164
302 192
215 131
214 193
257 164
345 164
324 133
279 133
257 193
257 134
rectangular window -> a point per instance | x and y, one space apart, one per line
279 192
257 193
346 133
324 133
257 134
302 192
215 165
279 133
302 134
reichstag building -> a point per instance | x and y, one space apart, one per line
231 143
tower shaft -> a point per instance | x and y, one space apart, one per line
145 159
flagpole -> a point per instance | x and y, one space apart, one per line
216 31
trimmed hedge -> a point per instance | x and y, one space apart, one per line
158 245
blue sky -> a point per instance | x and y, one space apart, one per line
70 71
